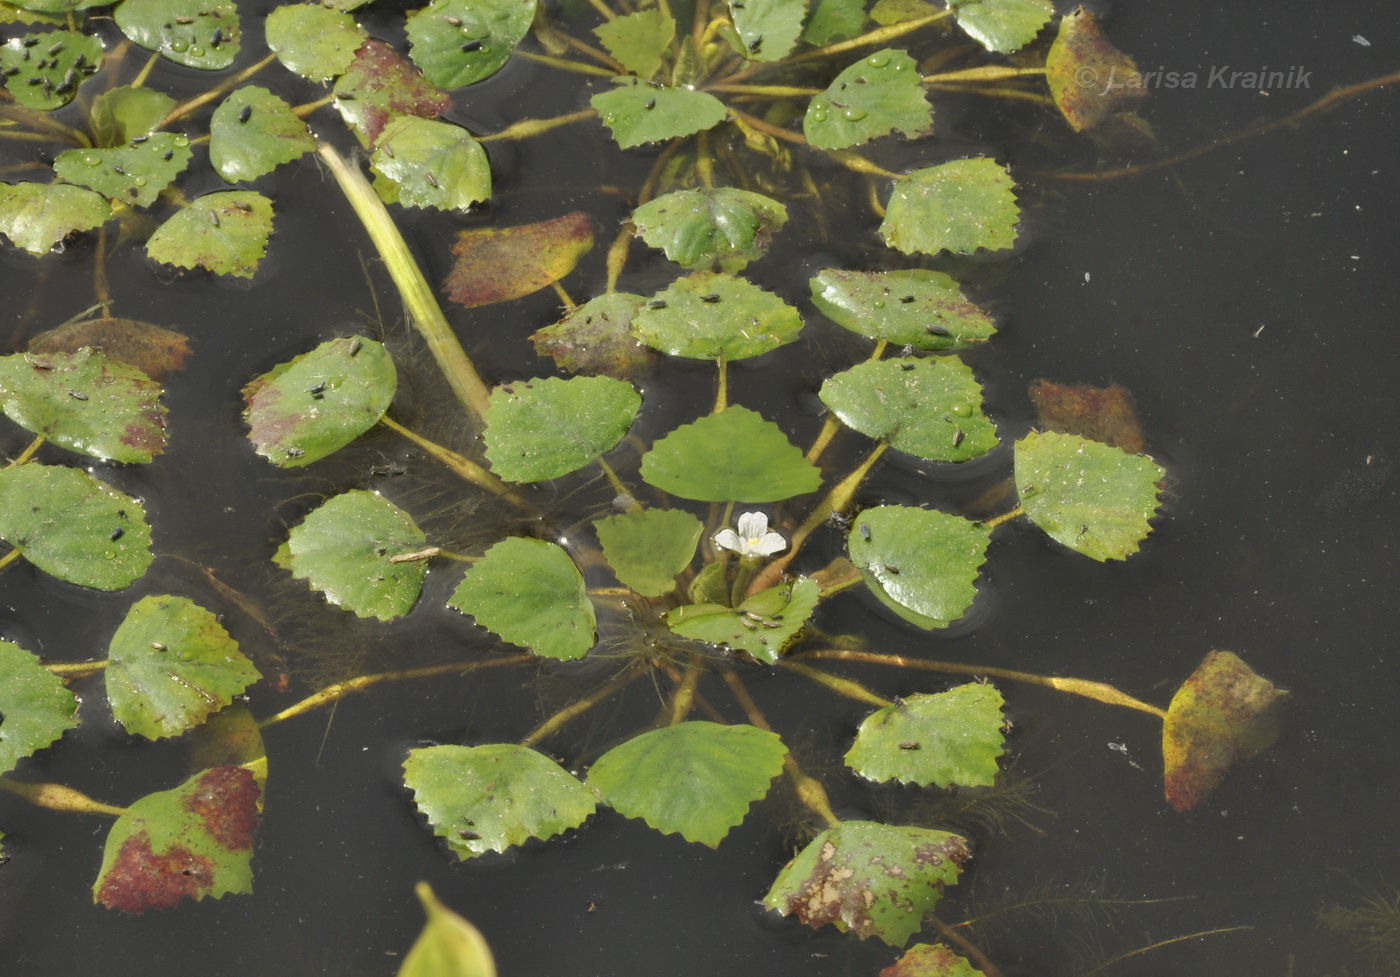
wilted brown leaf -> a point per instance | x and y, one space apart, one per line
499 264
154 351
1105 414
1090 79
596 339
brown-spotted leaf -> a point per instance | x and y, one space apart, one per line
1105 414
1220 717
1090 79
926 960
596 338
154 351
500 264
379 85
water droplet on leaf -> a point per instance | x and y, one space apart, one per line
854 115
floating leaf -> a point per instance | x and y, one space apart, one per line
153 350
877 95
317 403
530 593
732 456
761 626
346 549
922 560
926 960
43 71
131 174
638 113
639 41
460 42
431 164
1002 25
768 29
1222 715
1104 414
542 429
449 946
1092 498
834 20
887 12
1090 79
49 7
190 842
959 206
647 548
929 407
498 264
225 233
124 113
596 337
170 665
253 132
700 228
488 798
73 526
230 738
696 779
195 33
938 740
870 879
913 307
36 706
85 402
711 314
379 85
710 585
313 41
37 216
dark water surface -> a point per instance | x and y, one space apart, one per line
1246 298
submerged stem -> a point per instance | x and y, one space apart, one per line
526 128
1007 516
578 707
29 450
222 88
57 797
848 687
460 464
74 669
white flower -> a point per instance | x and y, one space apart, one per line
753 537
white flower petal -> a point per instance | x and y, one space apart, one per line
768 544
728 539
752 525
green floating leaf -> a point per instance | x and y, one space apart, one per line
878 94
380 85
124 113
639 41
73 526
43 71
530 593
190 842
869 879
1080 68
711 314
171 665
488 798
37 216
253 132
36 706
195 33
596 338
346 549
449 946
913 307
85 402
959 206
1002 25
939 740
887 12
926 960
919 560
52 7
542 429
761 626
768 29
313 41
929 407
460 42
647 548
637 113
1091 497
710 226
129 174
1223 715
317 403
432 164
697 779
498 264
732 456
224 233
834 20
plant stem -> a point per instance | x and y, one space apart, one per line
684 699
302 111
986 72
722 385
563 64
578 707
777 132
75 669
968 949
58 797
28 452
774 91
1007 516
1099 691
838 575
10 557
460 464
1161 943
424 312
612 478
227 85
829 428
526 128
847 687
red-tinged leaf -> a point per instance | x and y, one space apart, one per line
924 960
379 85
1090 79
500 264
190 842
154 351
1220 717
1105 414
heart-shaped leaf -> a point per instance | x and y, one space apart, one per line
638 113
43 71
37 216
709 226
253 132
542 429
767 30
732 456
225 233
711 314
124 113
960 206
431 164
313 41
195 33
938 740
761 626
647 548
461 42
36 706
640 40
1002 25
877 95
921 560
914 307
131 174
